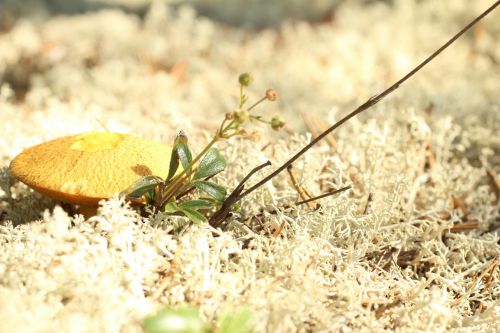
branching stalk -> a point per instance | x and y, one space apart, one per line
370 102
238 194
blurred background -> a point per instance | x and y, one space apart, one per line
249 13
134 64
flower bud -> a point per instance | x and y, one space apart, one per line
181 137
277 123
229 116
245 79
241 115
271 95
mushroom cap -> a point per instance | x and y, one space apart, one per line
86 168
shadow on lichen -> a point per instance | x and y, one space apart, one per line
18 203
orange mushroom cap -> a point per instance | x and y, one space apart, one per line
86 168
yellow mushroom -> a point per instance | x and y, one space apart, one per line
86 168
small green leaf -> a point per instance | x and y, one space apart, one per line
193 215
142 186
151 196
214 202
171 207
184 154
174 164
211 164
182 320
180 153
239 321
196 204
217 192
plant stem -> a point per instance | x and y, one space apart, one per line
370 102
242 100
257 103
186 173
324 195
220 215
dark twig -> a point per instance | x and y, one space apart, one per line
238 193
324 195
247 177
220 215
465 226
370 102
368 203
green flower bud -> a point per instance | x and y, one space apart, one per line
277 123
241 115
245 79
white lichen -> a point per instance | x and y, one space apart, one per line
390 264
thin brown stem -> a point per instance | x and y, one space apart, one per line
247 177
303 192
221 214
368 203
257 103
324 195
241 96
465 226
370 102
490 269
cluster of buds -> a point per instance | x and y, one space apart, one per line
242 114
277 123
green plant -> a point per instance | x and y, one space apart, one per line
187 174
166 193
237 321
176 320
217 219
186 319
